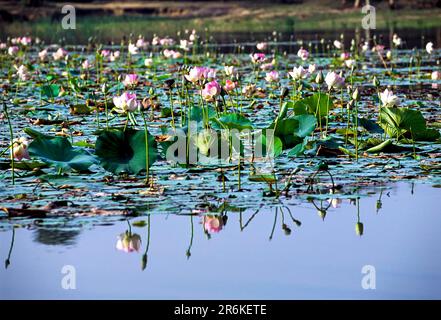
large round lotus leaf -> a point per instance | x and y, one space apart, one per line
60 153
125 151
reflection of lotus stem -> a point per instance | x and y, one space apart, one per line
11 137
147 160
188 253
274 225
7 261
311 179
238 171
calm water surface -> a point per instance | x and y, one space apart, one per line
319 259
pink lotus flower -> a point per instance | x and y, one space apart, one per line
212 224
388 99
22 73
105 53
166 42
131 80
345 55
25 41
141 43
155 40
229 85
272 76
3 46
59 54
172 54
126 103
312 68
12 51
262 46
196 74
378 48
114 56
211 90
133 50
42 54
257 57
298 73
86 64
338 44
128 242
230 70
20 149
333 80
436 75
267 66
303 54
185 45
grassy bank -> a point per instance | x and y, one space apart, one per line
281 18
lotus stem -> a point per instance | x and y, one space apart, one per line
11 137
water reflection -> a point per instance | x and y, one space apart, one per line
213 220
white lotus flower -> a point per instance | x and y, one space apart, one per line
388 99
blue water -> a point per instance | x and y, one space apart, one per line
320 259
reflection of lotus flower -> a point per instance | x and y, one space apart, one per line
261 46
211 90
429 47
388 98
213 224
130 79
20 148
126 103
272 76
128 242
298 73
303 54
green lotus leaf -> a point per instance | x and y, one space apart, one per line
59 153
125 151
232 121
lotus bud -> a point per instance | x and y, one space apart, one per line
359 228
286 229
104 88
319 78
356 95
376 82
144 261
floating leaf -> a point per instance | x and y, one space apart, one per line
59 152
232 121
125 151
50 91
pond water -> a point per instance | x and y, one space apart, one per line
319 259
